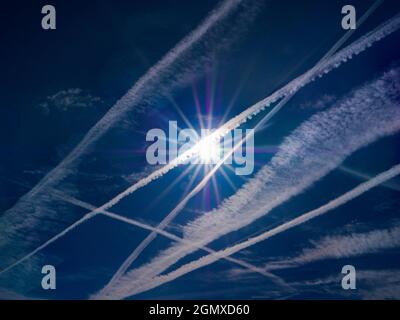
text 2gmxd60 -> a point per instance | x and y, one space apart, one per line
221 309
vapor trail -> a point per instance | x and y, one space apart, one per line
317 71
171 216
323 67
365 176
349 33
168 73
146 242
211 258
170 236
131 97
342 246
166 234
309 153
326 66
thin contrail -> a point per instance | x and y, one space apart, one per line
320 70
335 61
146 242
364 176
128 100
166 234
317 71
349 33
211 258
170 236
309 153
171 216
167 73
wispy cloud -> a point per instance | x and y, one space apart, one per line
308 154
69 99
323 102
11 295
342 246
371 285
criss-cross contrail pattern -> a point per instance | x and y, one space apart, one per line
129 99
166 234
188 56
211 258
319 70
327 65
146 242
313 150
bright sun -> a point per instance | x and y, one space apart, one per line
209 151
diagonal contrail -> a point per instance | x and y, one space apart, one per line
342 246
323 67
146 242
79 203
364 176
319 70
129 99
342 56
309 153
170 236
331 205
167 74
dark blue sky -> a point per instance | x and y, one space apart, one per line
55 85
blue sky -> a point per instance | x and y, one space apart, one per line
56 85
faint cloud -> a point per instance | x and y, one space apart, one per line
371 285
67 99
323 102
11 295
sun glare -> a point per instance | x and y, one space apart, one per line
209 151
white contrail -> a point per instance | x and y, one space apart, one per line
166 74
211 258
364 176
170 236
171 216
130 98
312 151
166 234
342 246
342 56
318 71
146 242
